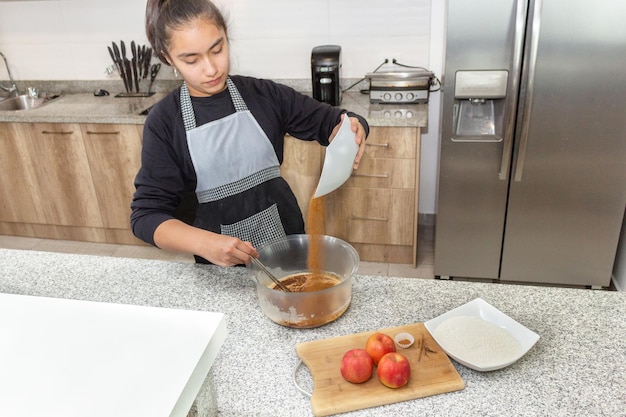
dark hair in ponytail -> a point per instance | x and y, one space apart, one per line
163 16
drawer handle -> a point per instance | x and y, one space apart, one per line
380 145
90 132
48 132
371 175
377 219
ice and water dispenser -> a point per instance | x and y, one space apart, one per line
479 105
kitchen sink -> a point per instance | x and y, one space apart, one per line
25 102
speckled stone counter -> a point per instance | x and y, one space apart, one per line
578 367
87 108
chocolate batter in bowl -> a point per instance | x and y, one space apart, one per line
317 297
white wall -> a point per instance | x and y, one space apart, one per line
67 40
429 163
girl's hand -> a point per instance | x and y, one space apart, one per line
219 249
228 251
357 128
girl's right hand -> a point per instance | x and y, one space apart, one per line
219 249
225 250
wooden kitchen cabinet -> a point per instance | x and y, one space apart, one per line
19 188
376 210
114 154
75 181
55 186
301 168
62 169
69 181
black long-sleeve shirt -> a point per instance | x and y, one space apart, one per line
167 172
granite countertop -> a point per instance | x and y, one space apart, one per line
578 366
87 108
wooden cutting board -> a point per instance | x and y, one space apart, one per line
432 372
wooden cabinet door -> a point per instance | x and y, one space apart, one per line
66 191
301 168
114 154
376 209
19 189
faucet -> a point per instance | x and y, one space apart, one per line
11 90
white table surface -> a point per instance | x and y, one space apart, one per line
70 358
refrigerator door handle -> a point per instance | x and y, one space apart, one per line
518 44
528 100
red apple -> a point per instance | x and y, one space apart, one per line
394 370
356 366
378 345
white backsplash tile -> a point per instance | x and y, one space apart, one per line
353 18
104 22
53 61
286 58
278 19
23 23
67 39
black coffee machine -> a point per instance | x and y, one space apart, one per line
326 74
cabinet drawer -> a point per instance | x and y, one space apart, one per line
391 142
384 173
378 216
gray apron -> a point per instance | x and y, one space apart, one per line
239 189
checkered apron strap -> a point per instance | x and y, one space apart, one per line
240 105
189 117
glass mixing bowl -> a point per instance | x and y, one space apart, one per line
289 256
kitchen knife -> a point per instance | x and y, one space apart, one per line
127 69
136 78
146 63
133 49
140 54
120 64
113 58
117 51
129 75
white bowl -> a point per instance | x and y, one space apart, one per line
481 309
339 159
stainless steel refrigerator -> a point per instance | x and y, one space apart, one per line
532 180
